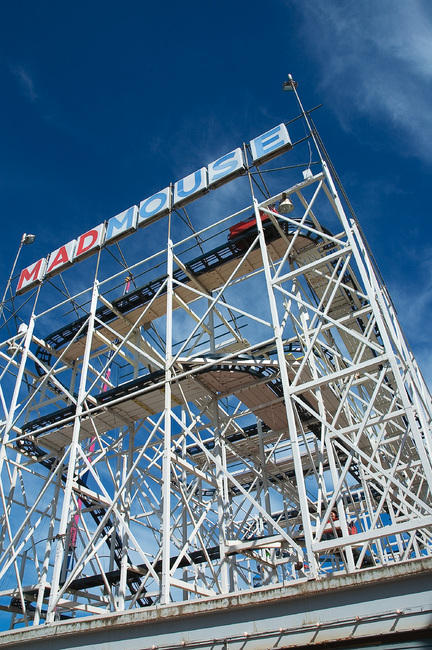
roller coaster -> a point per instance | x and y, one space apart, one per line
252 417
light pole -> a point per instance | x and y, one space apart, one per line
26 240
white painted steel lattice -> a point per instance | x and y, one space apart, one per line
244 412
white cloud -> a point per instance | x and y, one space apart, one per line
413 301
25 81
44 101
376 60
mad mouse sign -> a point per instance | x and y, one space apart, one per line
221 171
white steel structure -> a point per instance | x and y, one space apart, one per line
244 412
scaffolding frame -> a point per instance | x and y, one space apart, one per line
249 417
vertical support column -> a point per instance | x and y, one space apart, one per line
291 419
222 502
166 459
211 328
126 458
219 451
45 565
127 463
15 615
15 395
67 494
184 522
265 496
8 427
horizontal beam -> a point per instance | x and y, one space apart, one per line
358 607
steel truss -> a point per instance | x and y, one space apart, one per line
249 417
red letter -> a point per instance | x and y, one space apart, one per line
89 242
31 276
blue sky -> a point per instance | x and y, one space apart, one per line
104 103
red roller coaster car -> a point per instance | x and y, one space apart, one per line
243 227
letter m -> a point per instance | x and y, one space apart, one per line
31 276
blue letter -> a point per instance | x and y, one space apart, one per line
157 205
270 144
190 187
226 168
121 225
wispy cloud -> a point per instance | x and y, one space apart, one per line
413 301
25 81
376 58
44 98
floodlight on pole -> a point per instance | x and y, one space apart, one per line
290 84
27 239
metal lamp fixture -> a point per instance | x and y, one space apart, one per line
286 205
290 84
27 239
12 349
